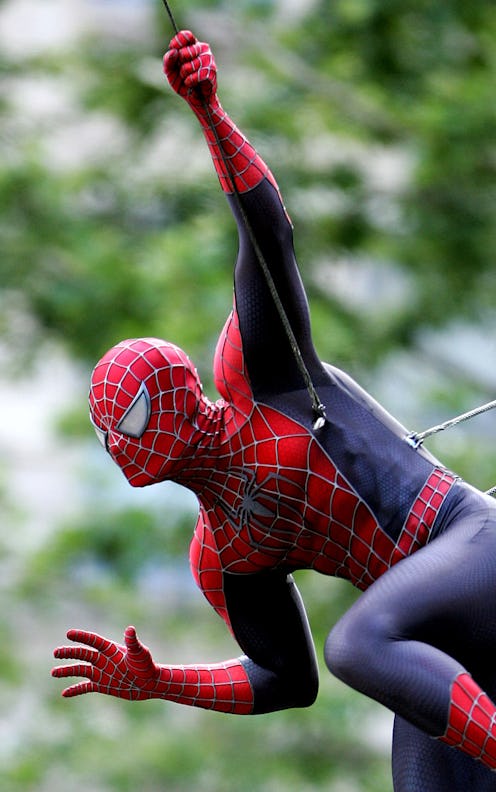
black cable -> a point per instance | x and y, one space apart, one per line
171 17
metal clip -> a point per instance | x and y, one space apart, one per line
320 419
414 440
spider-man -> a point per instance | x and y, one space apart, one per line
352 498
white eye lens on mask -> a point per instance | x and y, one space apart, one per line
135 420
102 436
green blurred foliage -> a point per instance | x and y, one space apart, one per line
363 78
378 120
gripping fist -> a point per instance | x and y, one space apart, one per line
189 66
126 671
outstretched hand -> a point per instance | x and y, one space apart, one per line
126 671
189 65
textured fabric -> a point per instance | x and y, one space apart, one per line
421 764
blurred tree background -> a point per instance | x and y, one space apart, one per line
378 119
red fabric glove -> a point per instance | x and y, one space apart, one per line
129 672
125 671
189 65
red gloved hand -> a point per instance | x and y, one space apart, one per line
124 671
189 66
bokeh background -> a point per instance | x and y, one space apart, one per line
378 119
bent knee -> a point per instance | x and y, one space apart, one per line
355 646
342 650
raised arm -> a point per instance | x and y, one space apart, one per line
263 226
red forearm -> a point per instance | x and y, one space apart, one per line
224 687
233 155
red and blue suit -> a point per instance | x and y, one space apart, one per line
352 499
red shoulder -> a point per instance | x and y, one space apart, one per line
230 374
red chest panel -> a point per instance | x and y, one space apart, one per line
284 503
274 497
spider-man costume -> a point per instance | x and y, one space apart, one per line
352 499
